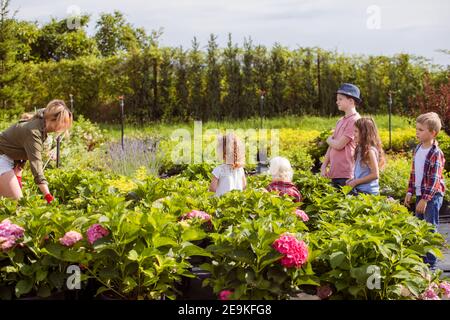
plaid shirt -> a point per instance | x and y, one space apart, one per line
285 188
433 180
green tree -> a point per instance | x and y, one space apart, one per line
249 86
59 40
261 71
138 72
142 72
308 82
114 35
213 78
294 76
10 73
195 78
26 33
166 83
406 81
374 82
180 110
277 87
232 107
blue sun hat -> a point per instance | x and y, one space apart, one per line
350 90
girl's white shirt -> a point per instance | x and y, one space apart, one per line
228 178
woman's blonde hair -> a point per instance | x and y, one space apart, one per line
57 110
231 150
281 169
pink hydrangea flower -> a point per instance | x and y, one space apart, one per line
302 215
225 294
324 291
6 243
430 293
445 287
96 232
70 238
9 234
8 229
196 214
295 251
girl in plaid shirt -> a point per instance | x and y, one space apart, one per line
282 173
426 180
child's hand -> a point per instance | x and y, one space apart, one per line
324 171
213 185
407 200
351 182
421 206
49 198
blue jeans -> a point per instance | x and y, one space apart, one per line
431 215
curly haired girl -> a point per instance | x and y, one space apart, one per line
230 175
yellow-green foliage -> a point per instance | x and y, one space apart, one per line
402 139
294 137
394 178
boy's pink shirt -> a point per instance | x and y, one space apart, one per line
342 161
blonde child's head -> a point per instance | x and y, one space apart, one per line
58 116
231 150
281 169
431 121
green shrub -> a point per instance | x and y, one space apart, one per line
319 146
299 158
149 250
86 133
358 236
246 225
312 186
202 171
403 140
395 176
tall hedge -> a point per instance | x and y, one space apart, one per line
211 83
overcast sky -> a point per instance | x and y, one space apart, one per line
349 26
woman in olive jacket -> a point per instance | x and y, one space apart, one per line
25 141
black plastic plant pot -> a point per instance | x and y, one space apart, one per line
192 289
